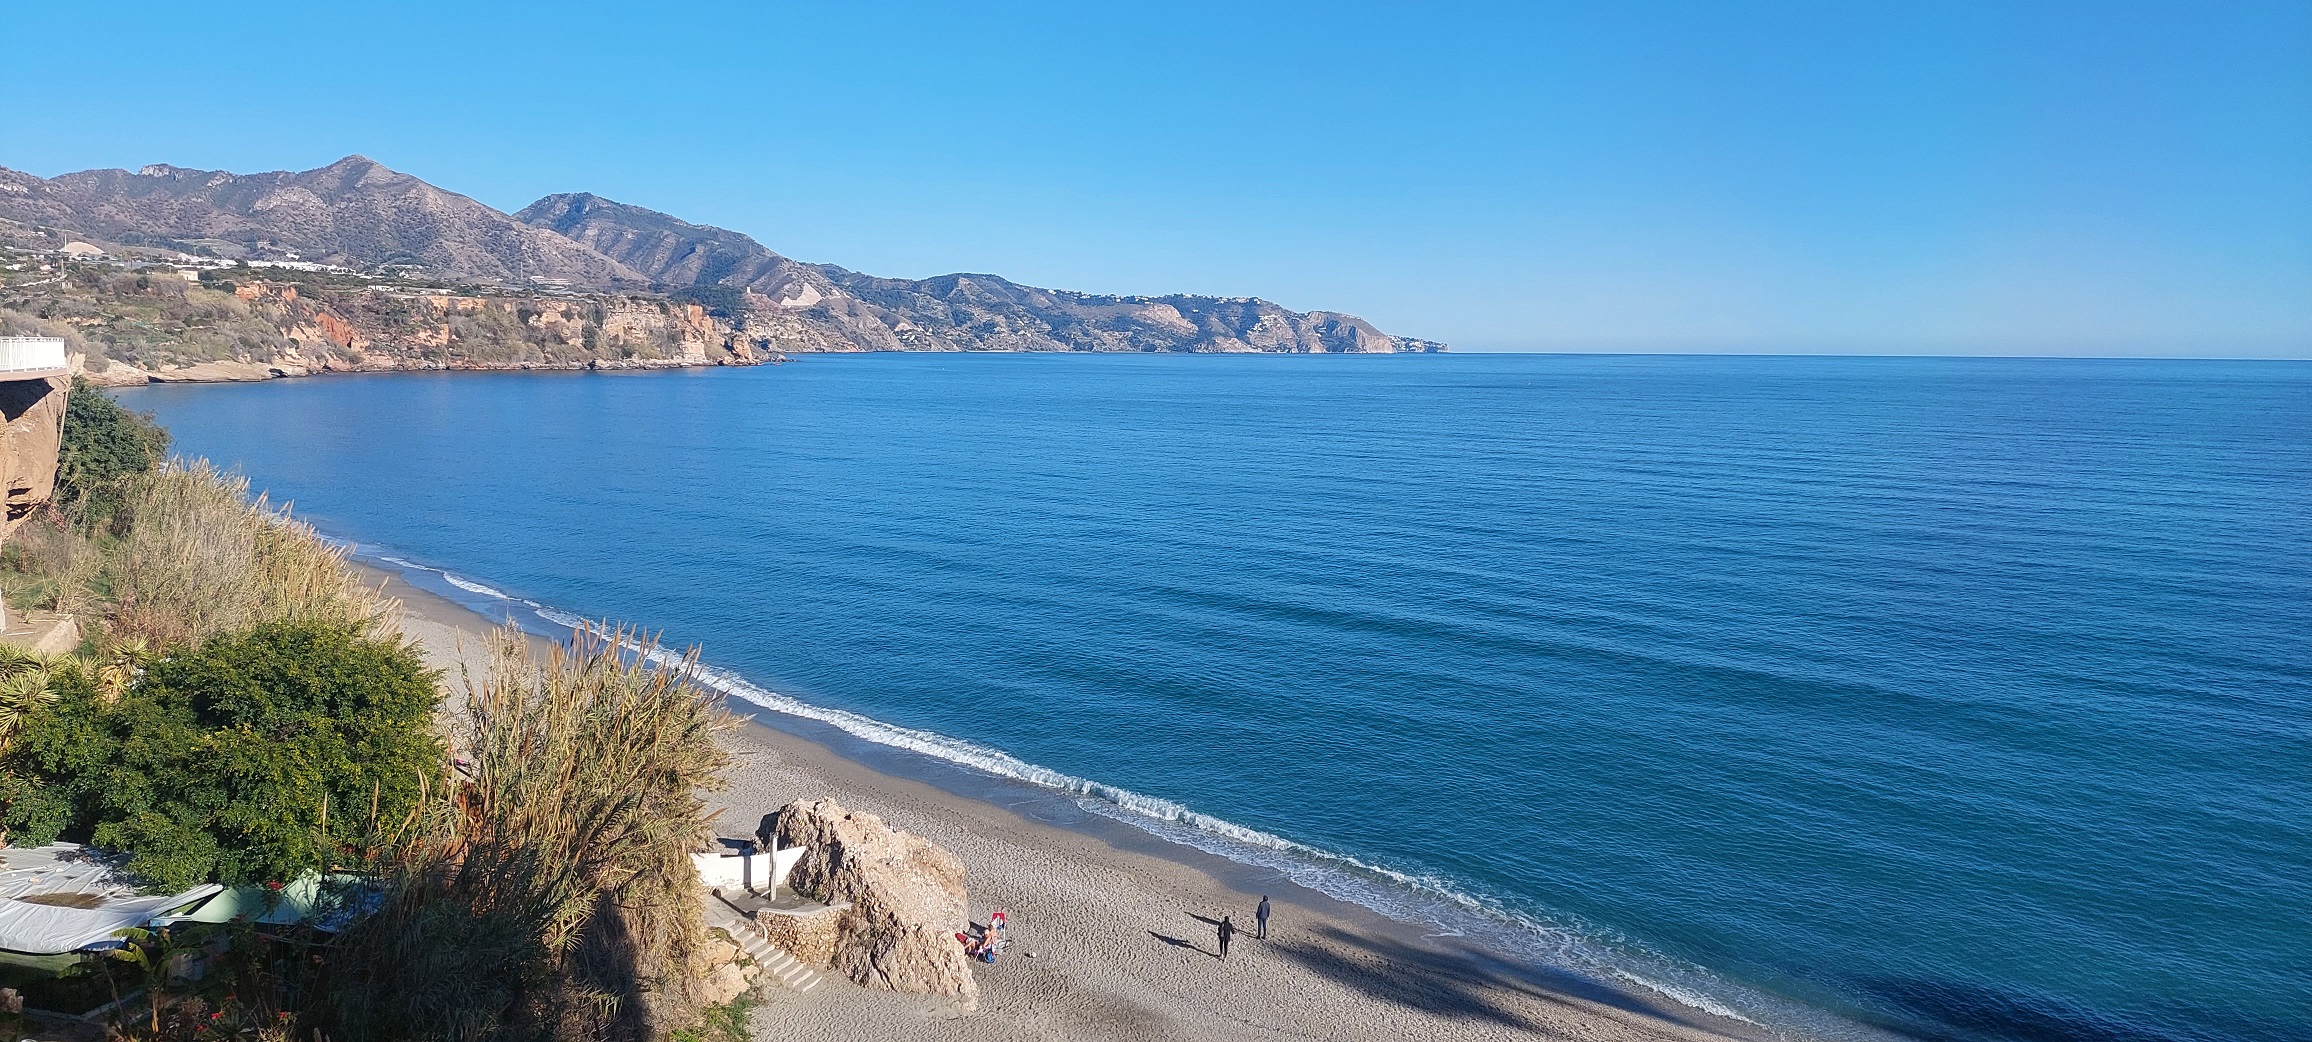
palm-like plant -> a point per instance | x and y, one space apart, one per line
118 665
27 685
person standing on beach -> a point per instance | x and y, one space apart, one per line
1260 920
1227 930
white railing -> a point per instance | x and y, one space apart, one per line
25 354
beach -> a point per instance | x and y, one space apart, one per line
1112 930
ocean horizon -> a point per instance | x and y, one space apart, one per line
1860 697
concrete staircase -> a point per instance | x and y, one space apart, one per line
777 965
780 965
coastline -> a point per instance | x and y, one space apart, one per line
1119 919
121 374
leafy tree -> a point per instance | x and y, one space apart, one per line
253 758
103 443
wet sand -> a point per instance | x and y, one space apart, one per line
1120 924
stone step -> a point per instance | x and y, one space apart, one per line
787 969
778 963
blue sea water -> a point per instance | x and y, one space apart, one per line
1952 699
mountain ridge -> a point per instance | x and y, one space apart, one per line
959 311
355 212
361 214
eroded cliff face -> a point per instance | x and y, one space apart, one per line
31 425
168 330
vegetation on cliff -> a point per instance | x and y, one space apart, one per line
551 893
253 758
130 323
103 445
244 710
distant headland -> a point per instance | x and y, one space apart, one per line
175 274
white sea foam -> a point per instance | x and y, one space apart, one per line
459 581
471 586
1420 899
1414 898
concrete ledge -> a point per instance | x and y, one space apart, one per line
42 633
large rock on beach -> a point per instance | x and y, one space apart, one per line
906 896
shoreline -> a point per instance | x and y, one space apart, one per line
120 374
1118 918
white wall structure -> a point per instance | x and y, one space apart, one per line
32 357
767 870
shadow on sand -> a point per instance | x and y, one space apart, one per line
1456 985
1181 943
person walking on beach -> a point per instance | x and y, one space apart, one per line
1227 930
1260 920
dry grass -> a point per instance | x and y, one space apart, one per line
201 557
50 562
550 893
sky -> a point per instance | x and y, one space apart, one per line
1861 177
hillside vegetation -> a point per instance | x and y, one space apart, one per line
157 323
244 710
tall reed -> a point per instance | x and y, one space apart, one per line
199 557
549 893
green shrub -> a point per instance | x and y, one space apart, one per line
253 758
103 443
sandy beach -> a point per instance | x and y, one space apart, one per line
1121 925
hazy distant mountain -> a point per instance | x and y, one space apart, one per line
950 312
358 213
353 212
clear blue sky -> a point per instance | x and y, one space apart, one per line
2108 177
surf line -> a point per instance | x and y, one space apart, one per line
1414 899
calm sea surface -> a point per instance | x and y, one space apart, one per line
1962 699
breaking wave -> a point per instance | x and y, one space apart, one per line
1414 898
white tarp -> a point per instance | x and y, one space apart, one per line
40 929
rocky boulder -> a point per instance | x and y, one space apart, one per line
906 896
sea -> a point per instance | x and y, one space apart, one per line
1862 698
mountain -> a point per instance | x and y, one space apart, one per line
359 214
354 212
829 307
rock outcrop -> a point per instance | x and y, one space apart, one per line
906 896
31 433
722 972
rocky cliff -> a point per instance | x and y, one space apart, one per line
372 221
134 327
